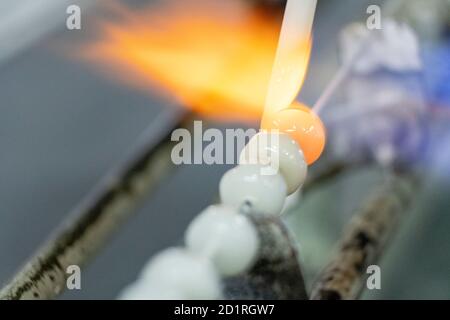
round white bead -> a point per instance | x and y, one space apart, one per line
282 152
247 184
194 277
229 239
141 290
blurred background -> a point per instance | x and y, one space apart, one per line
66 118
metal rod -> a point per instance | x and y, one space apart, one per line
364 241
99 215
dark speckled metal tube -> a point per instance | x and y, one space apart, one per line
364 239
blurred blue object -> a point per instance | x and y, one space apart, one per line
437 72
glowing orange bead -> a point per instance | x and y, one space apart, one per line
303 125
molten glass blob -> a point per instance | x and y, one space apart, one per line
303 125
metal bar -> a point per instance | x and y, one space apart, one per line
99 215
365 239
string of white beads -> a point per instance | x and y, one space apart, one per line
272 167
220 241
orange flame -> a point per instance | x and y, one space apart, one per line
214 56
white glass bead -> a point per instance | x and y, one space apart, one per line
246 184
280 150
141 290
193 276
229 239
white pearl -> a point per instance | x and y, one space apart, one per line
144 291
247 183
282 152
228 238
191 275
